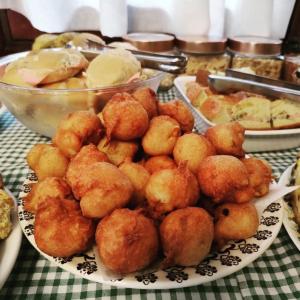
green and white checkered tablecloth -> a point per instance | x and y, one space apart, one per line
274 275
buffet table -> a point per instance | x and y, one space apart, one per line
275 274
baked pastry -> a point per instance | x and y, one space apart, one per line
253 113
285 113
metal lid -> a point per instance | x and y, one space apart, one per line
148 41
255 45
201 44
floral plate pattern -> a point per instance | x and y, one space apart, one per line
233 257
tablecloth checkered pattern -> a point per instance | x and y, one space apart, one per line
274 275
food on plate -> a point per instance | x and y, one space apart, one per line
60 229
87 155
218 108
77 129
224 178
161 136
43 41
177 110
260 175
127 241
6 204
118 151
202 77
253 113
160 162
82 40
44 67
147 98
112 67
295 196
192 148
139 177
235 222
125 119
186 236
157 171
50 187
171 189
102 188
285 113
123 45
47 161
227 138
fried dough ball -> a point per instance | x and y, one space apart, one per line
157 163
161 136
85 157
127 241
192 148
77 129
147 98
60 229
118 151
102 188
125 119
227 138
170 189
177 110
235 222
53 187
224 177
260 175
186 235
139 177
47 161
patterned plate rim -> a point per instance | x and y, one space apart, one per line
233 257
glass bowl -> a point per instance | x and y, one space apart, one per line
41 109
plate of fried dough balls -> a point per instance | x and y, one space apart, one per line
134 197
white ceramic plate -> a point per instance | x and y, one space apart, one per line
290 225
256 140
9 248
234 256
2 109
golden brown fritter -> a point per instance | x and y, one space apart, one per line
161 136
118 151
102 188
192 148
227 138
60 229
186 236
235 222
127 241
76 130
260 175
124 119
223 177
170 189
147 98
53 187
47 161
177 110
85 157
157 163
139 177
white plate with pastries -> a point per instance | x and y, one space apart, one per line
232 258
9 247
292 228
255 140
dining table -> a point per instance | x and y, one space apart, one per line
275 274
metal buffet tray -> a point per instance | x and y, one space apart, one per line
238 81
